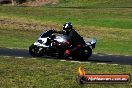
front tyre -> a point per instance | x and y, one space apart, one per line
35 51
87 53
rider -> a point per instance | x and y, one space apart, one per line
74 38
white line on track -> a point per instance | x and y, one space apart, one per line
95 53
34 58
19 57
85 62
101 55
64 60
127 55
115 64
10 48
109 54
6 56
75 61
49 59
101 63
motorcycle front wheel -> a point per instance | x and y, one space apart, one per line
34 51
87 53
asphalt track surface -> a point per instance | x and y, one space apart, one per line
95 58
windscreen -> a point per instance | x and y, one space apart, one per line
46 34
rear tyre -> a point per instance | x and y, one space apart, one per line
34 51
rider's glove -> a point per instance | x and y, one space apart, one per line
67 52
54 31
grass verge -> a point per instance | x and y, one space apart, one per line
43 73
101 17
94 3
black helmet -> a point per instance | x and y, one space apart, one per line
67 26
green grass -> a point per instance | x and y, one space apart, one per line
107 20
94 3
43 73
101 17
17 38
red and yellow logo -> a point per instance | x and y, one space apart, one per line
101 78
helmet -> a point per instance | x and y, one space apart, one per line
67 26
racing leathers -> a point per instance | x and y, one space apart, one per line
75 40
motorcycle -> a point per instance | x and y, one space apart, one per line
54 45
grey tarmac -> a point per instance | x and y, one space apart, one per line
95 58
